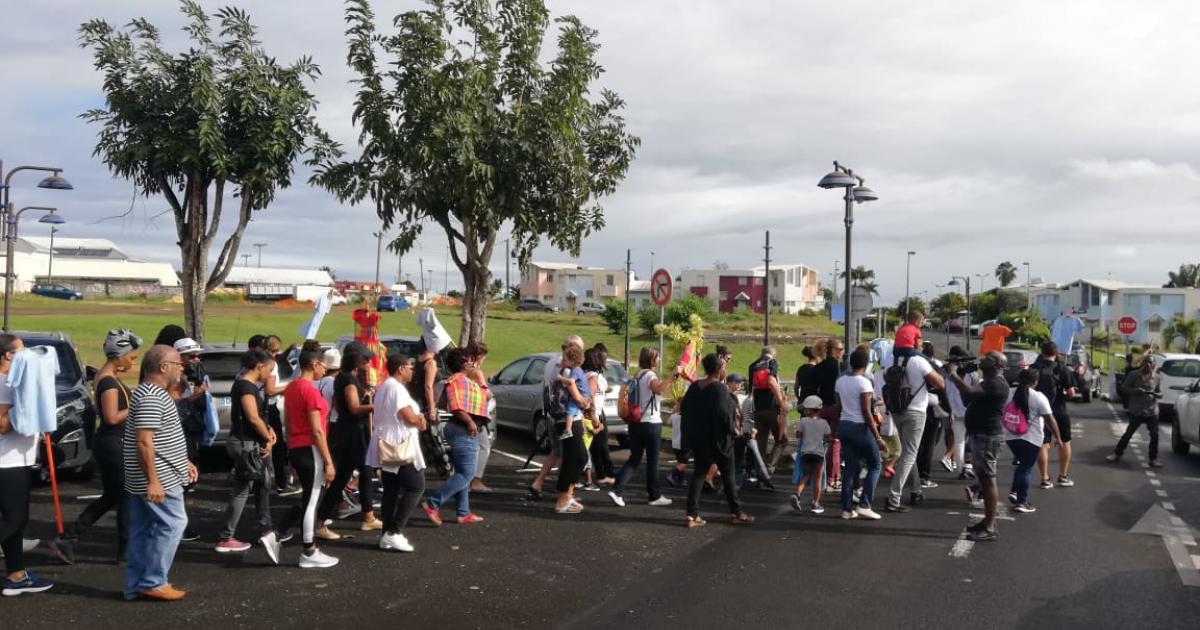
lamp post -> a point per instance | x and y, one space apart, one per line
966 284
378 256
1028 298
259 247
856 192
652 262
54 181
50 265
907 267
982 277
50 217
246 260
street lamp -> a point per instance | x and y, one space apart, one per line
982 277
907 267
54 181
1028 299
856 192
966 284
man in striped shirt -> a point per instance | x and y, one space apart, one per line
156 470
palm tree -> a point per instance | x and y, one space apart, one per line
870 286
859 275
1187 277
1188 330
1006 273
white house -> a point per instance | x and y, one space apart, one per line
93 266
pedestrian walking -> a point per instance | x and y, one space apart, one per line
935 411
112 408
1027 418
569 398
1057 383
955 459
804 385
825 376
709 420
249 447
985 430
1144 388
18 455
813 436
476 353
911 378
595 367
770 406
348 439
858 429
465 403
645 436
156 470
548 377
395 450
307 424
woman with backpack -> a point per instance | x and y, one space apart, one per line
645 433
1025 417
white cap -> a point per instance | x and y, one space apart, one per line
812 402
187 345
332 358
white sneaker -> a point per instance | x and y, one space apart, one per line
616 498
660 502
948 464
849 514
316 560
394 542
29 544
271 545
868 513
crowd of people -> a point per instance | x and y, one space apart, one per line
343 435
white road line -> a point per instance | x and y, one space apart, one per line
1000 516
1196 561
1177 522
516 457
1168 506
1151 473
1155 482
962 547
1161 493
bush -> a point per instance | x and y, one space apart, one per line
680 312
647 318
615 316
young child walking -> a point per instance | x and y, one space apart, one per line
813 435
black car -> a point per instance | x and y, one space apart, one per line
536 305
75 410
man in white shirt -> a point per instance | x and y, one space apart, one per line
919 376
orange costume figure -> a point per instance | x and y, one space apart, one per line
993 338
366 331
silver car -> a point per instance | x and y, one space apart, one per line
518 392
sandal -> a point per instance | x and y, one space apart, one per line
742 519
432 514
570 508
469 519
695 521
1112 458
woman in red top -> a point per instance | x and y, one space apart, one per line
308 452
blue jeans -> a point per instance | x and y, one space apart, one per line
858 443
154 533
464 451
1027 455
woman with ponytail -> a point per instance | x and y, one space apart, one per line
1028 403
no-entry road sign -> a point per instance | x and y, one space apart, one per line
1127 325
660 287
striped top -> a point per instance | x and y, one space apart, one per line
153 408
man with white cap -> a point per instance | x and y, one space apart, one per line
813 436
189 395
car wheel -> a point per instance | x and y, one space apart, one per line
542 434
1178 446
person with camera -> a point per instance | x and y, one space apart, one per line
190 395
984 421
1144 388
955 459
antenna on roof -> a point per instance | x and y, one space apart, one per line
236 329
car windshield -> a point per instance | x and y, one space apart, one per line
615 374
68 365
222 366
1184 368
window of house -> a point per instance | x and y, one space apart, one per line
1154 325
755 282
700 279
550 278
608 280
590 293
1095 297
741 279
1155 300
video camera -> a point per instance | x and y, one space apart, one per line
966 365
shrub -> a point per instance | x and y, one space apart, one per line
615 316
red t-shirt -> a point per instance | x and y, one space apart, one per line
908 336
299 398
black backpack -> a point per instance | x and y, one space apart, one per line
897 395
1048 381
556 398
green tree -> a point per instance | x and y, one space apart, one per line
1187 277
1006 273
914 304
615 316
946 306
462 127
1182 329
222 117
497 290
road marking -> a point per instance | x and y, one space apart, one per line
1155 482
1167 505
962 547
1151 473
1161 493
1177 522
1000 516
1196 561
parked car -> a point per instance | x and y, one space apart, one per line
1185 422
391 303
1017 360
1087 377
223 363
953 326
1179 372
536 305
589 308
57 291
74 405
518 391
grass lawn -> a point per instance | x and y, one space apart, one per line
509 335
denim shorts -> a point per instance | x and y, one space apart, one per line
985 449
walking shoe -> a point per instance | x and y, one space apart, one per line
867 513
271 545
285 537
895 506
796 503
324 533
317 560
948 464
591 487
533 494
431 513
570 508
480 487
28 584
1112 458
616 498
289 491
190 534
1046 485
695 521
928 484
888 472
978 526
661 501
1024 508
1154 463
984 535
674 478
395 542
231 545
816 508
742 518
966 475
371 525
1012 498
472 517
916 498
164 593
849 514
606 481
1065 481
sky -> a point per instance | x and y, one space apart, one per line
1061 134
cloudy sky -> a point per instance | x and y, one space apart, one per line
1064 134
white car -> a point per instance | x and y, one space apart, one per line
1179 372
1185 425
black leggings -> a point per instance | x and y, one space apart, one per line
574 458
601 459
14 514
349 454
107 447
310 468
929 441
398 507
724 462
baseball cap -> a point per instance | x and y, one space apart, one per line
734 378
812 402
187 345
332 358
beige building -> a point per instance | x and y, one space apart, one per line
568 285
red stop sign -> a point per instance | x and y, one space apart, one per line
1127 325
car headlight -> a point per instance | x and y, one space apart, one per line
72 411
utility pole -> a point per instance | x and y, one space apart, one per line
446 274
628 284
378 255
245 260
50 268
507 266
907 267
767 279
421 263
833 285
259 247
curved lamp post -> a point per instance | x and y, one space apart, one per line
856 192
53 181
51 217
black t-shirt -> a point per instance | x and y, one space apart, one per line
103 385
1053 379
764 398
824 380
239 426
985 412
344 380
804 382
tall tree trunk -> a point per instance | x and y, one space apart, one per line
476 281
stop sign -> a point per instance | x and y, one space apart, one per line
1127 325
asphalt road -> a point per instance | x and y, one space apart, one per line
1072 564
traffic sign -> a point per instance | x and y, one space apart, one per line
660 287
1127 325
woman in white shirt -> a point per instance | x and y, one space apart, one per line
858 430
397 418
1027 400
